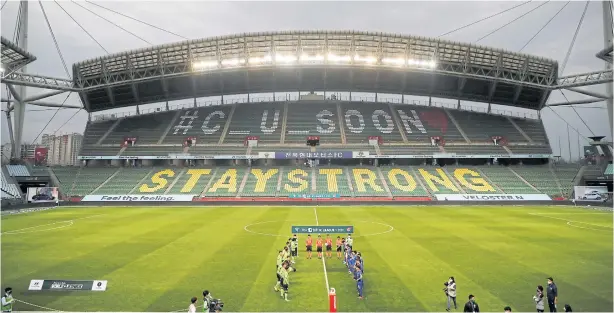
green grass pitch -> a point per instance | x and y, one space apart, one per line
155 259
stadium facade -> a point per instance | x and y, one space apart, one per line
321 144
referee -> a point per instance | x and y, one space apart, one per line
552 294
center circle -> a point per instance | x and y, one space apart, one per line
253 228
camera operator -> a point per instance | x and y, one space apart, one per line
451 292
210 304
7 300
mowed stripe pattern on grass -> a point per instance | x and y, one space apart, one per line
157 258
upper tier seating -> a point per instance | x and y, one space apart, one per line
152 150
480 127
362 120
312 118
534 129
18 170
420 123
530 149
205 123
95 130
256 119
477 149
100 150
146 128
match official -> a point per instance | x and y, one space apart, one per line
553 294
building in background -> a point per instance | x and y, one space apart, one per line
62 149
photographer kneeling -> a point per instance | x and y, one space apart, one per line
210 304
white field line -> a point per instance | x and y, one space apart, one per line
37 306
572 222
315 210
28 230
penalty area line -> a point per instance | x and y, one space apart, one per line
315 211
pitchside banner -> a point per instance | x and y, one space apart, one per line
42 194
137 198
492 197
314 155
322 229
314 196
591 193
67 285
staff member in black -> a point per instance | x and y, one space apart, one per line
471 306
552 294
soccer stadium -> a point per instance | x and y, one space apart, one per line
264 144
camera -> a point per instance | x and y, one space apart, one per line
216 305
445 288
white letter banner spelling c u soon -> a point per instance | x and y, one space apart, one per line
137 198
492 197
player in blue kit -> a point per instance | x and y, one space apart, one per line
359 282
352 262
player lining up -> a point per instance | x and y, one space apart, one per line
319 244
308 245
339 247
355 263
329 247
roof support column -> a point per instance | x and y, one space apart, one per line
221 87
607 43
20 106
137 110
247 83
325 78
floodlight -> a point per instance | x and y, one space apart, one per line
232 62
201 65
285 58
260 60
394 61
367 59
338 58
311 58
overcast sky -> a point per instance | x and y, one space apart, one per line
205 19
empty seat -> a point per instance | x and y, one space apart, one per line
256 119
481 127
146 128
421 123
205 123
362 120
312 118
18 170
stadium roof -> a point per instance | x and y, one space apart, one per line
13 57
315 61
